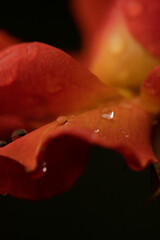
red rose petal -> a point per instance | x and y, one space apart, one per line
143 19
7 40
55 155
38 81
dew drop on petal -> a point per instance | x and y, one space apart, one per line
108 115
134 8
96 130
2 143
18 133
44 169
125 133
39 171
61 120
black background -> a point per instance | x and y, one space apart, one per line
109 199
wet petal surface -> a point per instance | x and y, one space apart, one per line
50 159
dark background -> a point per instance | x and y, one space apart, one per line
109 199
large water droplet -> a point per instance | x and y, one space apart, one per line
61 120
18 133
2 143
108 115
134 8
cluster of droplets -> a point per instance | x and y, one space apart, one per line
16 134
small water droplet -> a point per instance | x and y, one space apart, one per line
61 120
125 133
108 115
44 169
134 8
2 143
39 171
96 130
18 133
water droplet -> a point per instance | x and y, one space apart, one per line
2 143
125 133
134 8
39 171
96 130
108 115
18 133
61 120
44 169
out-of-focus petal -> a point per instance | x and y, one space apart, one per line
38 81
118 50
55 155
143 19
116 57
7 40
150 90
89 15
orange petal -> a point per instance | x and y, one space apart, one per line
113 53
38 81
8 123
55 155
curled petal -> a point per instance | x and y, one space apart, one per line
50 159
38 81
7 40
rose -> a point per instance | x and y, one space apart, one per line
40 84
